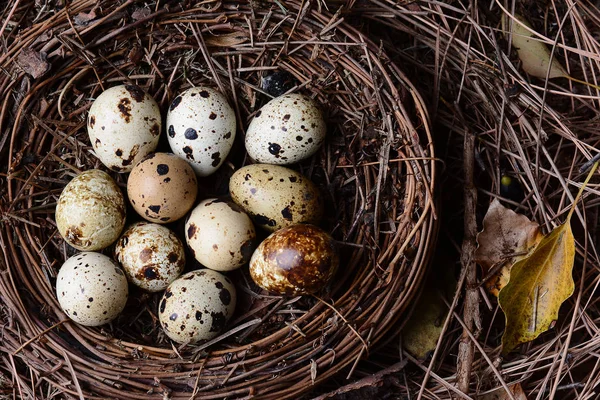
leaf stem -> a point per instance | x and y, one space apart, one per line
581 189
569 77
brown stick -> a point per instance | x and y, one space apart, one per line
471 317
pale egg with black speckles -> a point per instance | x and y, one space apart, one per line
90 213
286 130
201 128
197 306
124 125
220 234
91 289
276 196
151 255
162 188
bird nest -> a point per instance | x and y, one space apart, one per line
376 171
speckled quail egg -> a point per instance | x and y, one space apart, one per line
300 259
275 196
151 255
220 235
197 306
162 187
201 127
90 213
91 289
287 129
124 125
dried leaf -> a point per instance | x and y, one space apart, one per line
506 238
140 13
84 18
226 40
534 55
539 284
33 62
500 393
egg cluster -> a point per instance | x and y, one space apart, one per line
124 126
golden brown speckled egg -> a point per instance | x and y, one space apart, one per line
151 255
220 235
275 196
90 213
162 188
91 289
300 259
197 306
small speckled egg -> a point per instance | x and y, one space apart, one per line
220 235
275 196
91 289
124 125
151 255
90 213
300 259
287 129
162 188
201 127
197 306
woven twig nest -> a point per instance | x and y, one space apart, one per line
376 172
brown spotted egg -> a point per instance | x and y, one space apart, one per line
300 259
90 213
201 128
275 196
220 235
197 306
162 188
91 289
287 129
124 124
151 255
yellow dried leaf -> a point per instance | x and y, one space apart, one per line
500 393
538 285
506 238
226 40
534 55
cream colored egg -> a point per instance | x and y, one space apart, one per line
90 213
91 289
287 129
151 255
197 306
124 125
275 196
201 128
220 235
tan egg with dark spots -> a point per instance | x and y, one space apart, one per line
275 196
91 289
297 260
151 255
197 306
162 188
124 125
90 213
201 128
286 130
220 235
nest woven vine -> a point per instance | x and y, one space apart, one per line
377 172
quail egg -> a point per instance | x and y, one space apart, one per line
300 259
197 306
220 235
90 213
201 127
124 125
276 196
91 289
151 255
162 188
287 129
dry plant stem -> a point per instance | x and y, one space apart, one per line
466 347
